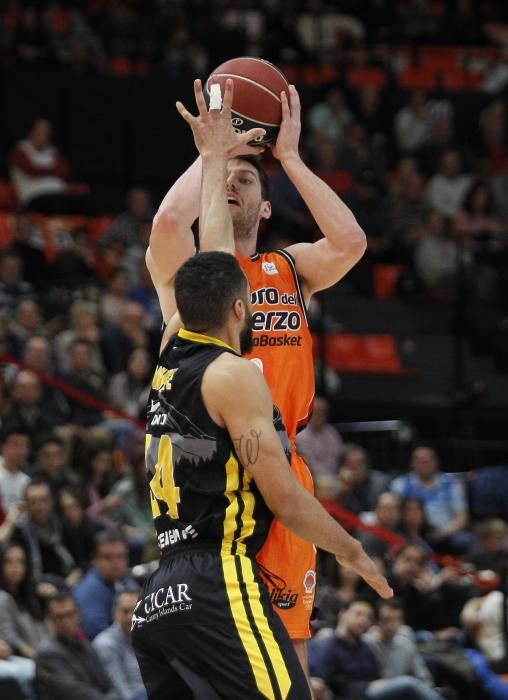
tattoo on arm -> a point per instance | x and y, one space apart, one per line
247 447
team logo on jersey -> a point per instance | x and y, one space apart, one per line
309 582
269 268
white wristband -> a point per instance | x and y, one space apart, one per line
215 97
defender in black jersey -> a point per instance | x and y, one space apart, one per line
204 617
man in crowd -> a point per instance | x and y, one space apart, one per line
320 444
13 463
114 647
67 666
108 575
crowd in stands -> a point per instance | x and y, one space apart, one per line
80 332
443 631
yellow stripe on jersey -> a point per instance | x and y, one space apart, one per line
231 493
272 647
201 338
244 596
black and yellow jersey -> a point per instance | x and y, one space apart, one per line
200 493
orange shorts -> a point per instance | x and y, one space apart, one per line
288 567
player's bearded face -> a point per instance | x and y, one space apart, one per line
246 333
245 219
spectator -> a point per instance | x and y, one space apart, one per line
360 486
413 523
39 532
407 209
447 188
393 644
482 619
491 549
328 119
133 512
124 229
99 478
67 666
78 530
108 575
50 465
114 648
84 325
27 244
144 293
116 296
74 268
443 495
119 340
13 462
13 286
476 225
368 204
27 322
21 617
25 413
387 516
348 666
412 123
39 170
320 444
16 674
436 257
431 601
37 356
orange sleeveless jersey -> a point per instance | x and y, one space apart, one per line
282 340
283 350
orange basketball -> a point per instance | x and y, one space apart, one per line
256 99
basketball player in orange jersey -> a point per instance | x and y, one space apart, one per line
282 284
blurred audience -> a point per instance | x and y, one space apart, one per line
359 485
320 444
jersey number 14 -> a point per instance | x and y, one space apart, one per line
162 484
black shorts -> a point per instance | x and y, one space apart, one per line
207 619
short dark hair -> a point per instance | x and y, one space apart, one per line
107 537
263 175
206 287
392 603
61 596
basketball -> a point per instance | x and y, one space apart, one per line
256 98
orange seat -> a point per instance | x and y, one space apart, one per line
386 278
6 229
360 76
369 354
7 195
97 227
121 66
418 79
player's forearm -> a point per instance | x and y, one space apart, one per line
335 220
181 203
307 518
215 224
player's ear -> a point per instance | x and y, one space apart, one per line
266 210
239 309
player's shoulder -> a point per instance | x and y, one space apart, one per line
230 374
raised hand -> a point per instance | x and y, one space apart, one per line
213 131
286 145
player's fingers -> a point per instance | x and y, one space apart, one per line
295 102
380 585
185 114
228 97
253 135
285 106
200 99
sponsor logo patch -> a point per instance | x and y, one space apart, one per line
270 268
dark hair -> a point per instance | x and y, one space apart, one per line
107 537
353 447
14 430
60 597
24 597
467 204
205 288
424 531
263 175
392 603
127 591
359 599
37 481
50 439
79 341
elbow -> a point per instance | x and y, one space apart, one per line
164 224
284 511
358 241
